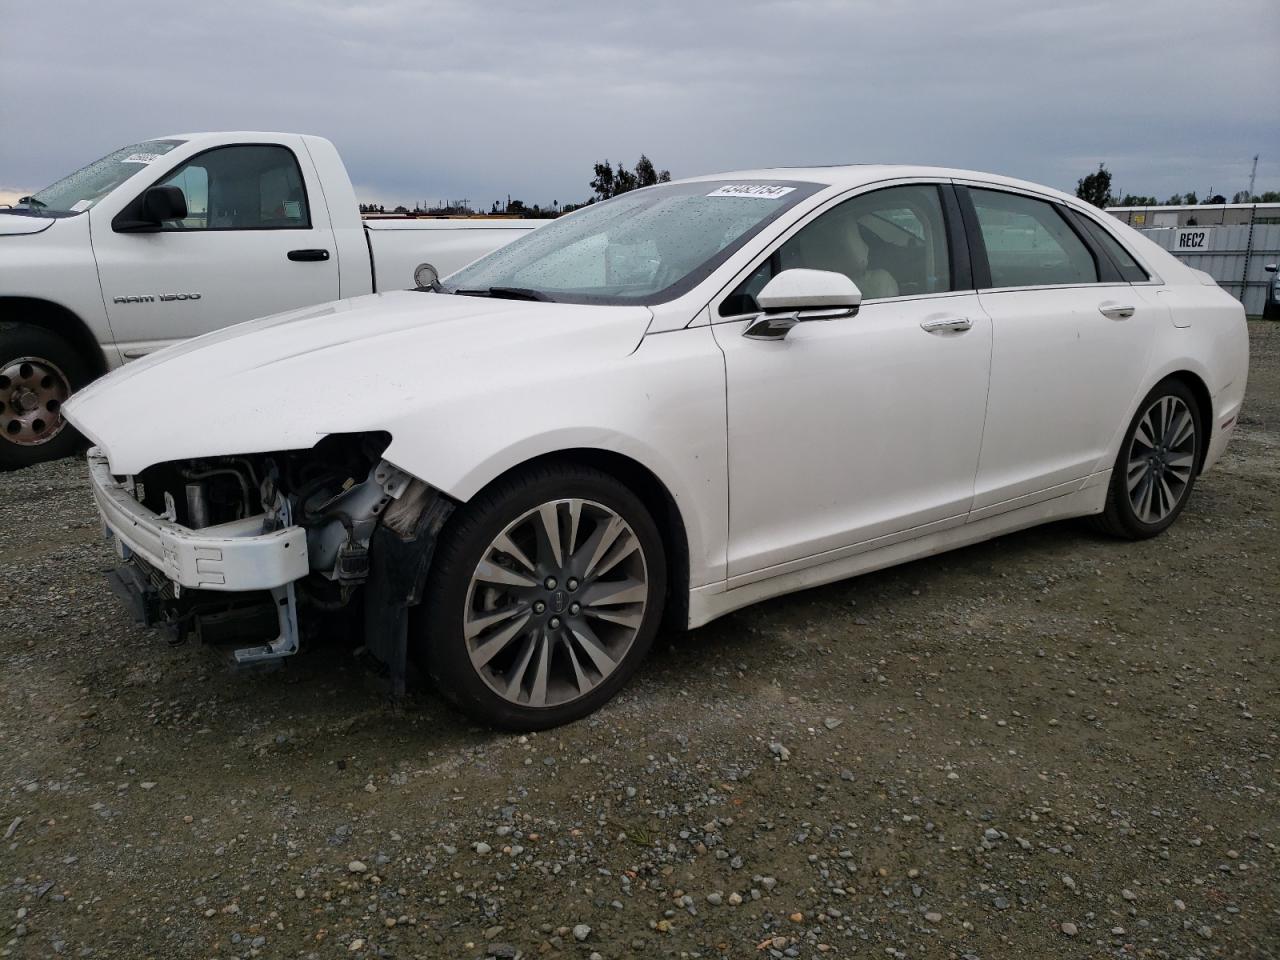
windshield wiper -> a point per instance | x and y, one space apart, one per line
507 293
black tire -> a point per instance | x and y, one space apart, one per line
23 341
1120 518
1271 311
437 639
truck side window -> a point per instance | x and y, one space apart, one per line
247 187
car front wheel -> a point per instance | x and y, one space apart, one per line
545 594
1156 467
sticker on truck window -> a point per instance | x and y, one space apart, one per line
142 157
754 191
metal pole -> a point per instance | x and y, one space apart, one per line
1248 252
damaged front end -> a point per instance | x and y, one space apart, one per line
254 551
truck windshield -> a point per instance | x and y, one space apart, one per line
79 191
644 247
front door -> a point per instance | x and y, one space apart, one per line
256 241
861 429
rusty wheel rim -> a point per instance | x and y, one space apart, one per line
32 392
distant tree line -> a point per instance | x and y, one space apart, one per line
1095 188
608 181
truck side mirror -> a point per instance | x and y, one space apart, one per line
153 208
164 203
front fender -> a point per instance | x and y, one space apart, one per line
663 407
56 267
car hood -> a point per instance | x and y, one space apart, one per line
16 224
378 362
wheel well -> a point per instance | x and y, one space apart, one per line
59 320
1205 404
660 504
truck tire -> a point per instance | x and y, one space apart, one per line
38 371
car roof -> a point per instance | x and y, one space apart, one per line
846 176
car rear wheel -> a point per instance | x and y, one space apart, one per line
38 371
1156 467
545 594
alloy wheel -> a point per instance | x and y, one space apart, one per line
32 391
556 602
1161 459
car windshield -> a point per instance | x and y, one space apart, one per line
643 247
79 191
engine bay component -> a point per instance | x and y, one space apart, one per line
335 492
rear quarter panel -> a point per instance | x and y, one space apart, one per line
1209 337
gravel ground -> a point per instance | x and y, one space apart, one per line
1048 745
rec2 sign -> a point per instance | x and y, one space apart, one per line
1191 240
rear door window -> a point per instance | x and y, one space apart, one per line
1029 243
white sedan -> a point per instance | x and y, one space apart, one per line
656 410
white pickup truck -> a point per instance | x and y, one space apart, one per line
174 237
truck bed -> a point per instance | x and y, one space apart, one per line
398 246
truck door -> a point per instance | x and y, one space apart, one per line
256 240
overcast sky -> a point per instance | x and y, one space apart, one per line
481 98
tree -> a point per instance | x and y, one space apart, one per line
1096 187
1242 196
1216 198
1138 200
1174 201
609 182
647 176
1270 196
1191 200
603 184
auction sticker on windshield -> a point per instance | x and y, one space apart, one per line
141 157
757 191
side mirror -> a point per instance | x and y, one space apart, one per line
149 211
164 203
798 295
1270 268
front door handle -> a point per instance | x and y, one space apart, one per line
946 325
1116 311
308 255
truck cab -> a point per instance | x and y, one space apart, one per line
174 237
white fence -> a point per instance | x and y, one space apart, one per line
1234 256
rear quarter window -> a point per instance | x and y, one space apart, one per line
1129 268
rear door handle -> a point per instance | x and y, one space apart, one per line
308 255
946 325
1116 311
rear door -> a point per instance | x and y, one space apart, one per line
1070 345
256 240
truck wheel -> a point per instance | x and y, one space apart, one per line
38 371
544 595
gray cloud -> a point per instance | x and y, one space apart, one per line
479 99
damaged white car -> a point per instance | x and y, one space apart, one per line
659 409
